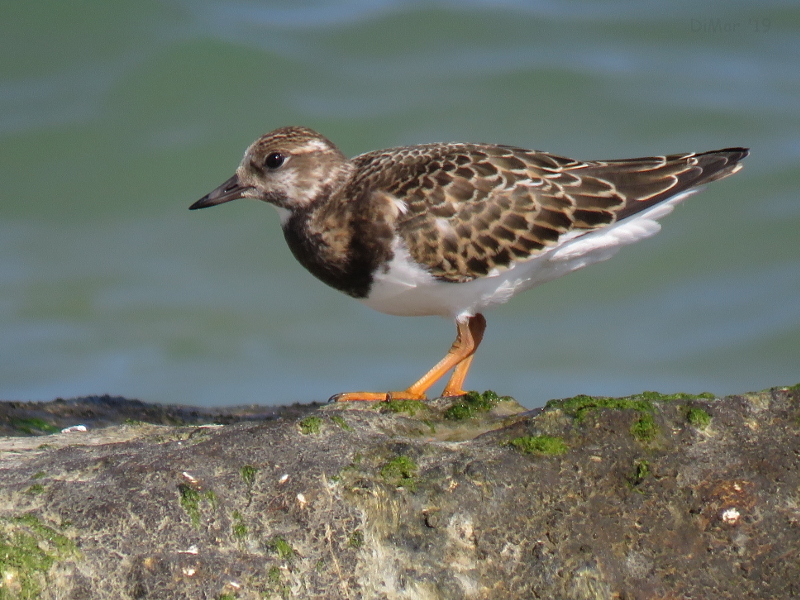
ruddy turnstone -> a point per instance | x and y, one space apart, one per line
453 229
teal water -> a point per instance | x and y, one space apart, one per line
115 117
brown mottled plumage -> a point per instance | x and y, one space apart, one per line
452 229
476 207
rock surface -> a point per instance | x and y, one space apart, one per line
635 498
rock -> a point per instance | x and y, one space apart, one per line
643 497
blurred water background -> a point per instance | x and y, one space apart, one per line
114 117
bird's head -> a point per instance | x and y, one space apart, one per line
290 168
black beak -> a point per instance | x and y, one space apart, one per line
230 190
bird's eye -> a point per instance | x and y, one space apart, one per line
274 160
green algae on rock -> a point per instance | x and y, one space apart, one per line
310 425
28 550
472 403
698 417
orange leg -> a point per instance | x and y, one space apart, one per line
468 338
456 381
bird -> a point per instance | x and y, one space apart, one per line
453 229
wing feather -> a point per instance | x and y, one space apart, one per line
475 209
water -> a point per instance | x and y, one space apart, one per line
114 118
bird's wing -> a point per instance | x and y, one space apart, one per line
466 210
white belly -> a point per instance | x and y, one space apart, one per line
406 289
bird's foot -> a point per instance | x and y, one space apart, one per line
376 396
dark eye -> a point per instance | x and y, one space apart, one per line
274 160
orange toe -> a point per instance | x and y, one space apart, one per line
375 396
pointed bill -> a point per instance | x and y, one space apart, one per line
232 189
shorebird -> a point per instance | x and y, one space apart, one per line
452 229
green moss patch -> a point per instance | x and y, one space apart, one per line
35 489
400 471
658 397
581 406
28 548
61 543
282 548
274 575
471 404
310 425
32 426
641 471
645 428
539 444
341 422
412 407
697 417
248 473
191 500
239 527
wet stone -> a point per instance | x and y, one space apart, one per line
487 501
